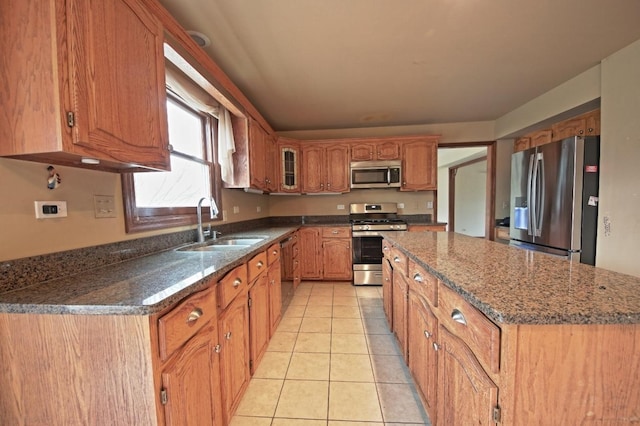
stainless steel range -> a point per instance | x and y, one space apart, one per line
367 221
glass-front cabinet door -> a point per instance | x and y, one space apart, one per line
289 166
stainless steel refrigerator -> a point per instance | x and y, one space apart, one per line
554 198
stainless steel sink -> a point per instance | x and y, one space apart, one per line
236 242
225 244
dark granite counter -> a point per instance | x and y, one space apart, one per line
139 286
516 286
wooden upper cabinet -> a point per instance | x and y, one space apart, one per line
271 164
90 85
584 125
288 163
325 168
521 144
383 150
541 137
420 164
257 155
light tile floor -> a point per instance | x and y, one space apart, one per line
332 362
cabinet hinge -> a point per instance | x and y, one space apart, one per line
496 414
249 302
163 396
71 119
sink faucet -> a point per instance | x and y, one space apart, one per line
213 210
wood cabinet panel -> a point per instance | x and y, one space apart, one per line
466 394
289 166
521 144
420 165
387 291
400 294
232 284
84 101
325 168
477 331
178 325
257 265
310 245
191 382
259 323
233 329
275 296
423 283
343 232
379 150
541 137
337 168
337 259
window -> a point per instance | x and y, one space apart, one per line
155 200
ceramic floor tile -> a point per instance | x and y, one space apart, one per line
315 325
319 311
299 300
260 398
372 311
390 369
290 324
313 342
309 366
282 341
375 325
354 401
273 365
298 422
294 311
345 301
349 343
346 312
370 302
250 421
341 423
382 344
319 290
321 300
368 292
303 399
347 325
400 404
344 291
351 368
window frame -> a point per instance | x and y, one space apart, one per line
139 219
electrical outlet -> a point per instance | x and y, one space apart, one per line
401 205
429 204
50 209
258 209
340 206
104 206
236 209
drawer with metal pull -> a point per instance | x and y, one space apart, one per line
257 265
336 232
273 253
231 285
476 330
178 325
399 260
423 283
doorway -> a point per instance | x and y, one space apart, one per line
466 187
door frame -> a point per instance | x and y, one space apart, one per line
490 209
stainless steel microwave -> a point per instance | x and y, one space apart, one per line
376 174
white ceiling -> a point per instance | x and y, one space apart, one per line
330 64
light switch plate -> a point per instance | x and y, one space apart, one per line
50 209
104 206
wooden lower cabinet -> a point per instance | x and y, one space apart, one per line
325 253
400 310
259 323
191 382
275 296
422 327
233 330
466 394
387 291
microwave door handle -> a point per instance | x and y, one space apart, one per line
388 175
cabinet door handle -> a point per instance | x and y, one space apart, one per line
436 347
418 278
275 252
237 282
458 317
194 315
385 248
334 232
260 264
217 348
427 334
396 259
227 335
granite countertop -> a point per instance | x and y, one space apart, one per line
140 286
515 286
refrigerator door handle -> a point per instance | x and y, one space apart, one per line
530 194
540 194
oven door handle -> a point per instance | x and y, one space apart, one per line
365 234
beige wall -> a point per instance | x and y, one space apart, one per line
23 182
504 149
619 218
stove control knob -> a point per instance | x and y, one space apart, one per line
367 227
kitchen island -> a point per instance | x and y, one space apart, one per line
497 334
